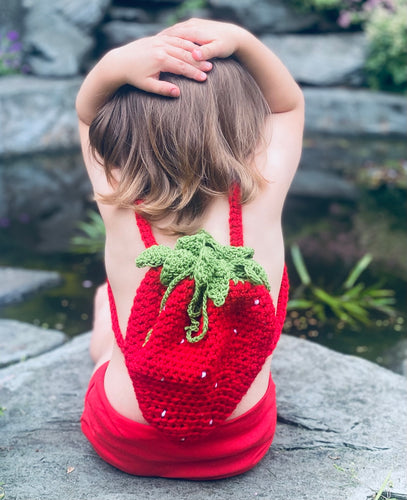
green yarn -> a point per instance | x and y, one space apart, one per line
211 265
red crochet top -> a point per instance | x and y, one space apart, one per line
200 329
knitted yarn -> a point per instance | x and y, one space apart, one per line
210 265
200 329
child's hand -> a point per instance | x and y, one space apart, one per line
215 39
140 63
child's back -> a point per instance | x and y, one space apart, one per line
252 157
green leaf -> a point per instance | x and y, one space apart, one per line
300 265
357 270
326 297
380 293
354 292
153 256
211 266
383 486
93 238
319 312
299 304
380 302
357 312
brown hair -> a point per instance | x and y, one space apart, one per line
176 154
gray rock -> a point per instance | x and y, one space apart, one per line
84 15
395 358
56 48
37 115
322 184
129 14
52 200
322 60
10 13
117 33
262 16
346 111
57 34
20 341
17 283
335 433
343 155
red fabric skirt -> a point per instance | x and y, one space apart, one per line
232 448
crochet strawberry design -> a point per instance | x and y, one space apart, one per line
211 265
200 329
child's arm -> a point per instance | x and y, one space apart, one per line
139 64
218 39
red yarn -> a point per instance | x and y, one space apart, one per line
187 389
235 218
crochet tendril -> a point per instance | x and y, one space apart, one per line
211 265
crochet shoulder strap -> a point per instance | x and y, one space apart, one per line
146 232
235 217
235 222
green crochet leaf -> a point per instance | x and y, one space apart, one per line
153 256
211 265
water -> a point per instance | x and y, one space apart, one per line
67 307
332 236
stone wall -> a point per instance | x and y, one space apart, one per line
63 38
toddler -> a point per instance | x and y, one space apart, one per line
191 139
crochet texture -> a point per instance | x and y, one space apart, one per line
200 329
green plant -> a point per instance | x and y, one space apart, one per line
2 410
351 304
390 173
185 9
387 34
93 238
386 495
385 27
10 53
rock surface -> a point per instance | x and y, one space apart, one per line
397 357
39 115
52 201
352 112
324 59
263 15
20 341
16 283
58 35
117 33
338 433
322 184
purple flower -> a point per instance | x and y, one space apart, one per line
25 69
16 47
13 35
344 19
24 218
4 222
